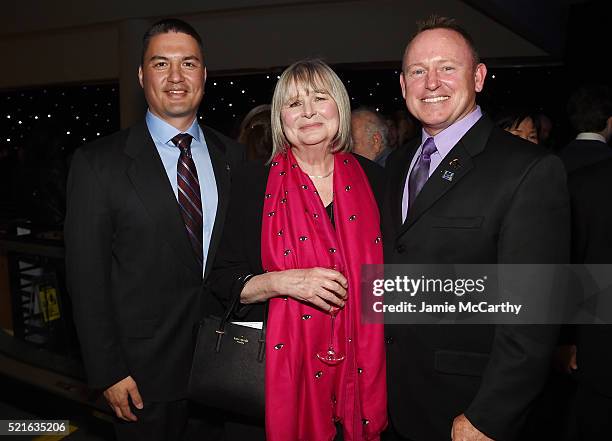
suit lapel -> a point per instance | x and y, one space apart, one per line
221 167
149 178
453 168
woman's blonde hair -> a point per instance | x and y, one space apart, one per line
315 75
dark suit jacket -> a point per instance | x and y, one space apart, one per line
583 152
592 243
240 250
132 274
507 203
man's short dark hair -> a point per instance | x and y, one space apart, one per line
437 22
589 108
170 25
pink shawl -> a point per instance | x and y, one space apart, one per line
304 396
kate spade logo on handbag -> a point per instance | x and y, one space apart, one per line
241 340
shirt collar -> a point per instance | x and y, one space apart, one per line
164 132
591 136
450 136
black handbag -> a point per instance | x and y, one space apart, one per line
228 366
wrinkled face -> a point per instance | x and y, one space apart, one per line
526 130
361 141
173 76
309 117
439 79
364 144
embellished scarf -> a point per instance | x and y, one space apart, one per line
304 396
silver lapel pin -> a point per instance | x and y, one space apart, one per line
448 175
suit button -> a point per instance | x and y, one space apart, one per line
400 249
388 339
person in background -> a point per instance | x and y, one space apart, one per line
407 128
545 131
370 135
592 354
256 133
392 132
590 113
298 231
145 211
521 123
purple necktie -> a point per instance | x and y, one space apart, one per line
189 198
420 171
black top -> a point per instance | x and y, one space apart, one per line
240 249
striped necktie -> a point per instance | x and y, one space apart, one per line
189 199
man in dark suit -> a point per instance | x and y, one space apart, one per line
145 211
466 192
590 112
592 244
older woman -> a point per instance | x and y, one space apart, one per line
298 232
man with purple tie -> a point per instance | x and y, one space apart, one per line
466 192
145 211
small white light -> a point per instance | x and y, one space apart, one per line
268 77
278 77
493 76
214 83
8 116
68 132
377 109
84 139
35 116
97 133
8 139
76 117
19 122
242 91
230 104
48 115
232 83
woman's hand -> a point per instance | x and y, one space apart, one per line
321 287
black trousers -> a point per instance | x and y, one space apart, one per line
165 421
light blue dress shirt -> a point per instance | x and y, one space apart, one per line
162 134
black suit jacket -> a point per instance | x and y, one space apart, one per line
136 286
584 152
507 203
592 243
240 250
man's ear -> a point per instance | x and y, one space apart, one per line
479 77
377 140
140 76
403 84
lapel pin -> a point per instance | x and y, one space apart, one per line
448 175
454 163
